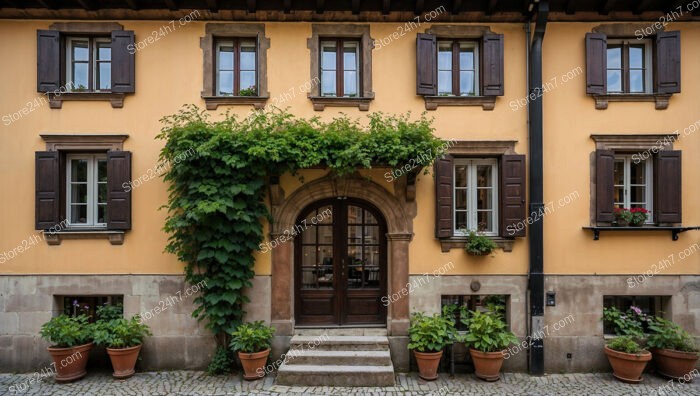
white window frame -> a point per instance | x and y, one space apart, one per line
469 44
649 185
92 189
219 44
92 62
648 62
472 210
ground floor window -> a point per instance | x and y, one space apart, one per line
86 305
458 305
648 305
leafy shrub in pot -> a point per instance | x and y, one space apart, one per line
71 339
123 339
627 358
488 337
428 335
479 245
673 349
252 341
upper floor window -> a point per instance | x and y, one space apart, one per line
629 66
88 64
476 195
86 190
236 67
340 68
633 183
457 68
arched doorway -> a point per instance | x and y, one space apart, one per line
340 270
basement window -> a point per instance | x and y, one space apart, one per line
649 305
87 305
452 304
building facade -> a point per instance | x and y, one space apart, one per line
84 89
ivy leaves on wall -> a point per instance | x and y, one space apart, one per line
216 201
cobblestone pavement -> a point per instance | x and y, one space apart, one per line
198 383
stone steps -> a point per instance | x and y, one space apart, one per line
337 360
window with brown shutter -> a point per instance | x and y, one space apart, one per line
47 190
667 181
512 192
444 205
118 190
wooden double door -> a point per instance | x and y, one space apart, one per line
340 264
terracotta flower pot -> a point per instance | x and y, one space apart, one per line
487 365
628 367
123 361
428 363
70 362
675 364
254 364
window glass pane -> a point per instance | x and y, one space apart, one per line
325 234
369 218
80 50
328 60
636 80
618 196
445 56
226 57
466 57
636 56
614 81
637 194
460 176
485 221
444 83
78 214
80 76
308 235
614 57
247 56
460 220
483 176
226 83
308 256
484 198
461 198
328 83
78 170
619 172
324 215
78 193
638 172
466 83
350 83
102 214
102 170
101 192
248 80
355 234
350 58
104 51
104 75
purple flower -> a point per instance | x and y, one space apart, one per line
87 307
636 310
75 303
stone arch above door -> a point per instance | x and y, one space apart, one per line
398 209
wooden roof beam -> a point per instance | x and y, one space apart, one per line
320 6
420 5
641 7
87 4
570 7
171 4
386 7
491 7
133 4
251 6
606 7
356 6
52 4
213 5
287 5
456 6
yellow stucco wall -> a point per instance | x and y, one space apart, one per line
169 74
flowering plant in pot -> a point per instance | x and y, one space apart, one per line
71 342
633 216
673 349
488 337
122 338
252 341
625 353
428 335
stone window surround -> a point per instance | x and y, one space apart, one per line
483 148
214 31
629 143
56 98
360 32
473 32
84 142
628 30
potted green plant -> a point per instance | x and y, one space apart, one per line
634 216
252 341
479 245
122 338
488 337
624 352
71 342
428 335
627 358
673 349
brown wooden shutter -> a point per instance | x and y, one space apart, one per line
47 189
604 172
123 53
596 63
492 65
512 196
426 64
667 187
444 175
118 190
48 60
668 62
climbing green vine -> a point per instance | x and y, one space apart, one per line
216 200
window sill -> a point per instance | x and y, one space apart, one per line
660 100
320 102
486 102
213 102
458 242
55 238
674 230
56 99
